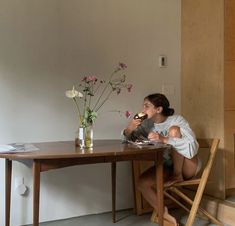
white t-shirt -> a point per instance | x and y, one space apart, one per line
186 145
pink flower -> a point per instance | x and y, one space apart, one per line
90 78
122 66
128 114
129 87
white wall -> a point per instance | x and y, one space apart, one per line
46 47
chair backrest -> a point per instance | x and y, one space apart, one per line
212 144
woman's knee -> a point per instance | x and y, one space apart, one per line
141 184
174 131
144 183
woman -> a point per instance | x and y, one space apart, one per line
161 125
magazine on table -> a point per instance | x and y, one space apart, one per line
17 147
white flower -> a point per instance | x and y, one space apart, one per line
73 93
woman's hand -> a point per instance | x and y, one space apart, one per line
133 124
154 136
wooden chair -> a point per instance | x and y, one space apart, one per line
176 189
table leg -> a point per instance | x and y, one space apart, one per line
159 182
114 191
36 192
8 173
134 187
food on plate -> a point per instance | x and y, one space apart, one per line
142 116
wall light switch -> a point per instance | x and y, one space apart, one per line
162 61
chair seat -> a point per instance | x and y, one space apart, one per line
188 182
177 190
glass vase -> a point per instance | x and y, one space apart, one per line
84 137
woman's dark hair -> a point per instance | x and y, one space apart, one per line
160 100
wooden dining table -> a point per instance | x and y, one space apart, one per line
55 155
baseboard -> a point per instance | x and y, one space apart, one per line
230 192
223 210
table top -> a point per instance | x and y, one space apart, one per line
67 149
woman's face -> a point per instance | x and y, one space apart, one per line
149 109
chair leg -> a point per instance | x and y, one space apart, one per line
195 207
176 201
183 206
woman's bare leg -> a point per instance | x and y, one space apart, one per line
178 163
146 187
146 184
183 168
190 167
178 159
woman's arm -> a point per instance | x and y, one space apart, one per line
137 130
133 124
187 144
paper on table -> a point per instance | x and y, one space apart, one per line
17 147
4 148
146 144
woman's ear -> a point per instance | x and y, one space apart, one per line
159 110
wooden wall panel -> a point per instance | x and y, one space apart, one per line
202 66
229 148
202 84
229 30
229 84
229 94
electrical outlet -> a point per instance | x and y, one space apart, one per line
21 190
20 187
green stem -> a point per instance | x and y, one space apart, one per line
104 90
79 112
95 91
85 100
91 93
110 92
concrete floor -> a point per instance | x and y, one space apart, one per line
124 218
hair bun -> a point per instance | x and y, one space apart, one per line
171 111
